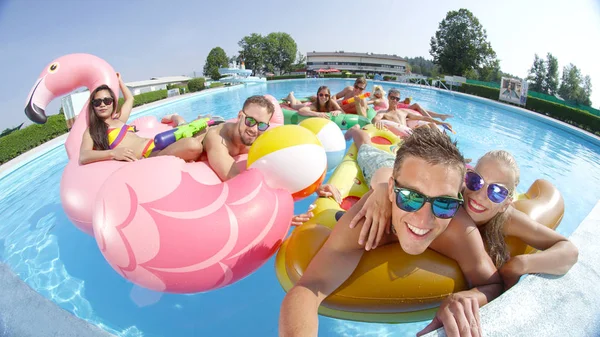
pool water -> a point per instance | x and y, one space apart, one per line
63 264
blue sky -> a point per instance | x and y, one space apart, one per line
143 39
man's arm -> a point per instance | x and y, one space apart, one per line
340 94
218 155
331 266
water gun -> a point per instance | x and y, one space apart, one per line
166 138
351 99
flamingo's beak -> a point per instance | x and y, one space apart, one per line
39 97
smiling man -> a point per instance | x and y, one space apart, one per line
221 143
424 188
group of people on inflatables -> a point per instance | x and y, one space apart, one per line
422 197
390 109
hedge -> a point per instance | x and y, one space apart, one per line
23 140
285 77
576 117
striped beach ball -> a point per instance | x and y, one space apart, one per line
290 157
331 137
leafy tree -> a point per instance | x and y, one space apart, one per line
252 52
537 75
280 52
216 59
300 62
490 71
573 87
460 43
422 66
551 81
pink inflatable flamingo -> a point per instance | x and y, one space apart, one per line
162 223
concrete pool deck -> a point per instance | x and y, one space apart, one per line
546 305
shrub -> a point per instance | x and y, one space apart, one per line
216 84
196 84
285 77
21 141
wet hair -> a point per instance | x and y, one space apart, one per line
492 233
433 147
261 101
394 91
327 106
97 126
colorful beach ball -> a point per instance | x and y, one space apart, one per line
331 137
291 157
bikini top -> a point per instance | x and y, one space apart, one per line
115 135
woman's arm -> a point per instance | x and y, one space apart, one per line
310 112
336 107
125 111
88 155
557 254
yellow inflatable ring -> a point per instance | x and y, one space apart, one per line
390 286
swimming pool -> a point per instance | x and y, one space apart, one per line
53 257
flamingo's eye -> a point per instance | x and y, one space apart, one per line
53 67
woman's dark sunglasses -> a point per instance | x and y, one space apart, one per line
496 193
98 101
251 121
324 95
411 201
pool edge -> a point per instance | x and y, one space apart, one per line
541 305
24 312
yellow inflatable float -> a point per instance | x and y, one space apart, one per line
390 286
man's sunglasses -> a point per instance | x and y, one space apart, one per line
394 98
98 101
251 121
411 201
497 193
359 88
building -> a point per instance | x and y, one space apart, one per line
357 63
156 83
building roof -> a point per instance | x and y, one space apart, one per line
343 53
158 80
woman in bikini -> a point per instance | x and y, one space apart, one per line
109 137
323 105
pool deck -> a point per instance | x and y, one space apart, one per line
26 313
546 305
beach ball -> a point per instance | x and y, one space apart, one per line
291 157
331 137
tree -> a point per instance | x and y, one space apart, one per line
216 59
551 81
460 43
300 62
587 89
252 52
280 52
537 75
490 71
575 88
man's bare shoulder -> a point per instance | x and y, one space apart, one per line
460 229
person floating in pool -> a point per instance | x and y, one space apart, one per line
320 107
401 116
488 192
425 183
378 99
109 137
359 107
421 110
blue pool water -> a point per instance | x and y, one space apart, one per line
40 244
